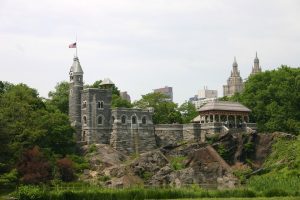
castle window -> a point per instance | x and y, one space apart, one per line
144 121
100 120
100 104
133 120
112 119
84 104
84 120
123 119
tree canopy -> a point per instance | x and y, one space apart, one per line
165 112
274 96
26 121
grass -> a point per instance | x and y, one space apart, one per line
257 198
93 193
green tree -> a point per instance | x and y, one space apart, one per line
59 98
165 112
188 112
273 96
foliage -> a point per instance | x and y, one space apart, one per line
283 166
147 175
273 96
177 162
188 112
33 167
59 98
92 148
165 112
79 162
66 169
9 179
26 121
104 178
223 152
91 192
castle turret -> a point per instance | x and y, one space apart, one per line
256 68
76 86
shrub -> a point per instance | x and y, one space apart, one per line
34 167
177 162
66 169
9 180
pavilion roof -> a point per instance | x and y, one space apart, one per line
224 106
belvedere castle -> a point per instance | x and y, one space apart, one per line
131 130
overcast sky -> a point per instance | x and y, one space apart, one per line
145 44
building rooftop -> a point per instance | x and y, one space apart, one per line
224 105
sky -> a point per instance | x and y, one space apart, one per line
145 44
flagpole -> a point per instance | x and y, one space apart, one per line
76 44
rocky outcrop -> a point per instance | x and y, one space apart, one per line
101 156
200 163
148 163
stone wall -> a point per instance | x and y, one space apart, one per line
168 134
131 139
132 135
191 132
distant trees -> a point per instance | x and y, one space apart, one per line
274 98
165 112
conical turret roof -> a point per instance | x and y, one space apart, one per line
76 67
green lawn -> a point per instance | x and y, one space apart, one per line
257 198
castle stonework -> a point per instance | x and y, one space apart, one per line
128 130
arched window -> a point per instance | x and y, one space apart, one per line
144 121
112 119
84 104
84 120
123 119
100 104
133 120
100 120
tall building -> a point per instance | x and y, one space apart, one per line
234 82
125 95
256 68
204 96
206 93
168 91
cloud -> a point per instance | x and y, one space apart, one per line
144 44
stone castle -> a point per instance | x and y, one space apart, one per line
131 130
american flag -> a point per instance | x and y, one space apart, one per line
73 45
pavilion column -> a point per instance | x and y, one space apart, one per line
227 118
219 118
235 121
214 119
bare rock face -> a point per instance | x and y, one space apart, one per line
103 156
150 163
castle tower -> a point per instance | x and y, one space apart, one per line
235 82
256 68
76 87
